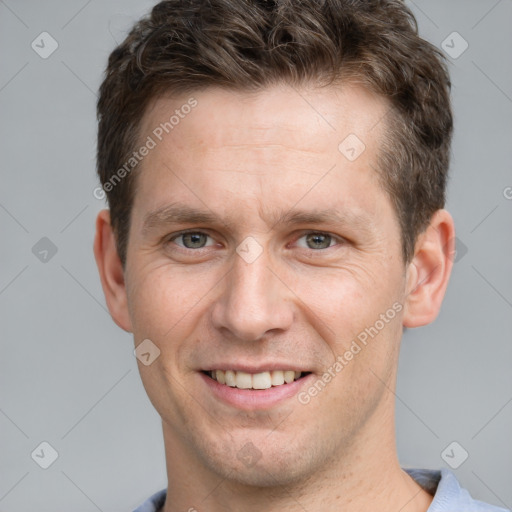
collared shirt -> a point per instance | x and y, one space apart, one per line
443 485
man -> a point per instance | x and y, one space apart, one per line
276 175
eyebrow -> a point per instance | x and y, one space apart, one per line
177 213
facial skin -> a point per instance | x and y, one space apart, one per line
251 160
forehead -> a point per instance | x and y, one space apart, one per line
309 118
276 145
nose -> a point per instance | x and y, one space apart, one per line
254 301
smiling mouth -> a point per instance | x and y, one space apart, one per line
262 380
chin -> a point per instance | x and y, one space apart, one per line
265 478
273 466
263 475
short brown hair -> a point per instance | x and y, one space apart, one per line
187 45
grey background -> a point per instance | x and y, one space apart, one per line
68 375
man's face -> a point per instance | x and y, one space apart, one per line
294 251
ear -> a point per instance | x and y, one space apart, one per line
111 271
429 271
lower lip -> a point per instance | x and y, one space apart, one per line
251 399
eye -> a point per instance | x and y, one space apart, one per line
317 241
191 240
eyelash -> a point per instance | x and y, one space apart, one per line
334 238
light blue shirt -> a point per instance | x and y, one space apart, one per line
443 485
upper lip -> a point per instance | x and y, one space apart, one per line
252 368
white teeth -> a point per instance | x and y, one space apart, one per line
230 378
277 378
289 376
263 380
243 380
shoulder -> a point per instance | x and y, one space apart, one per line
154 503
449 496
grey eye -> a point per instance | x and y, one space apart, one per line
193 240
318 240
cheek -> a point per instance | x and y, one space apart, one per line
359 319
344 300
164 302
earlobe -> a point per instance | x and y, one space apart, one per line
111 271
429 271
